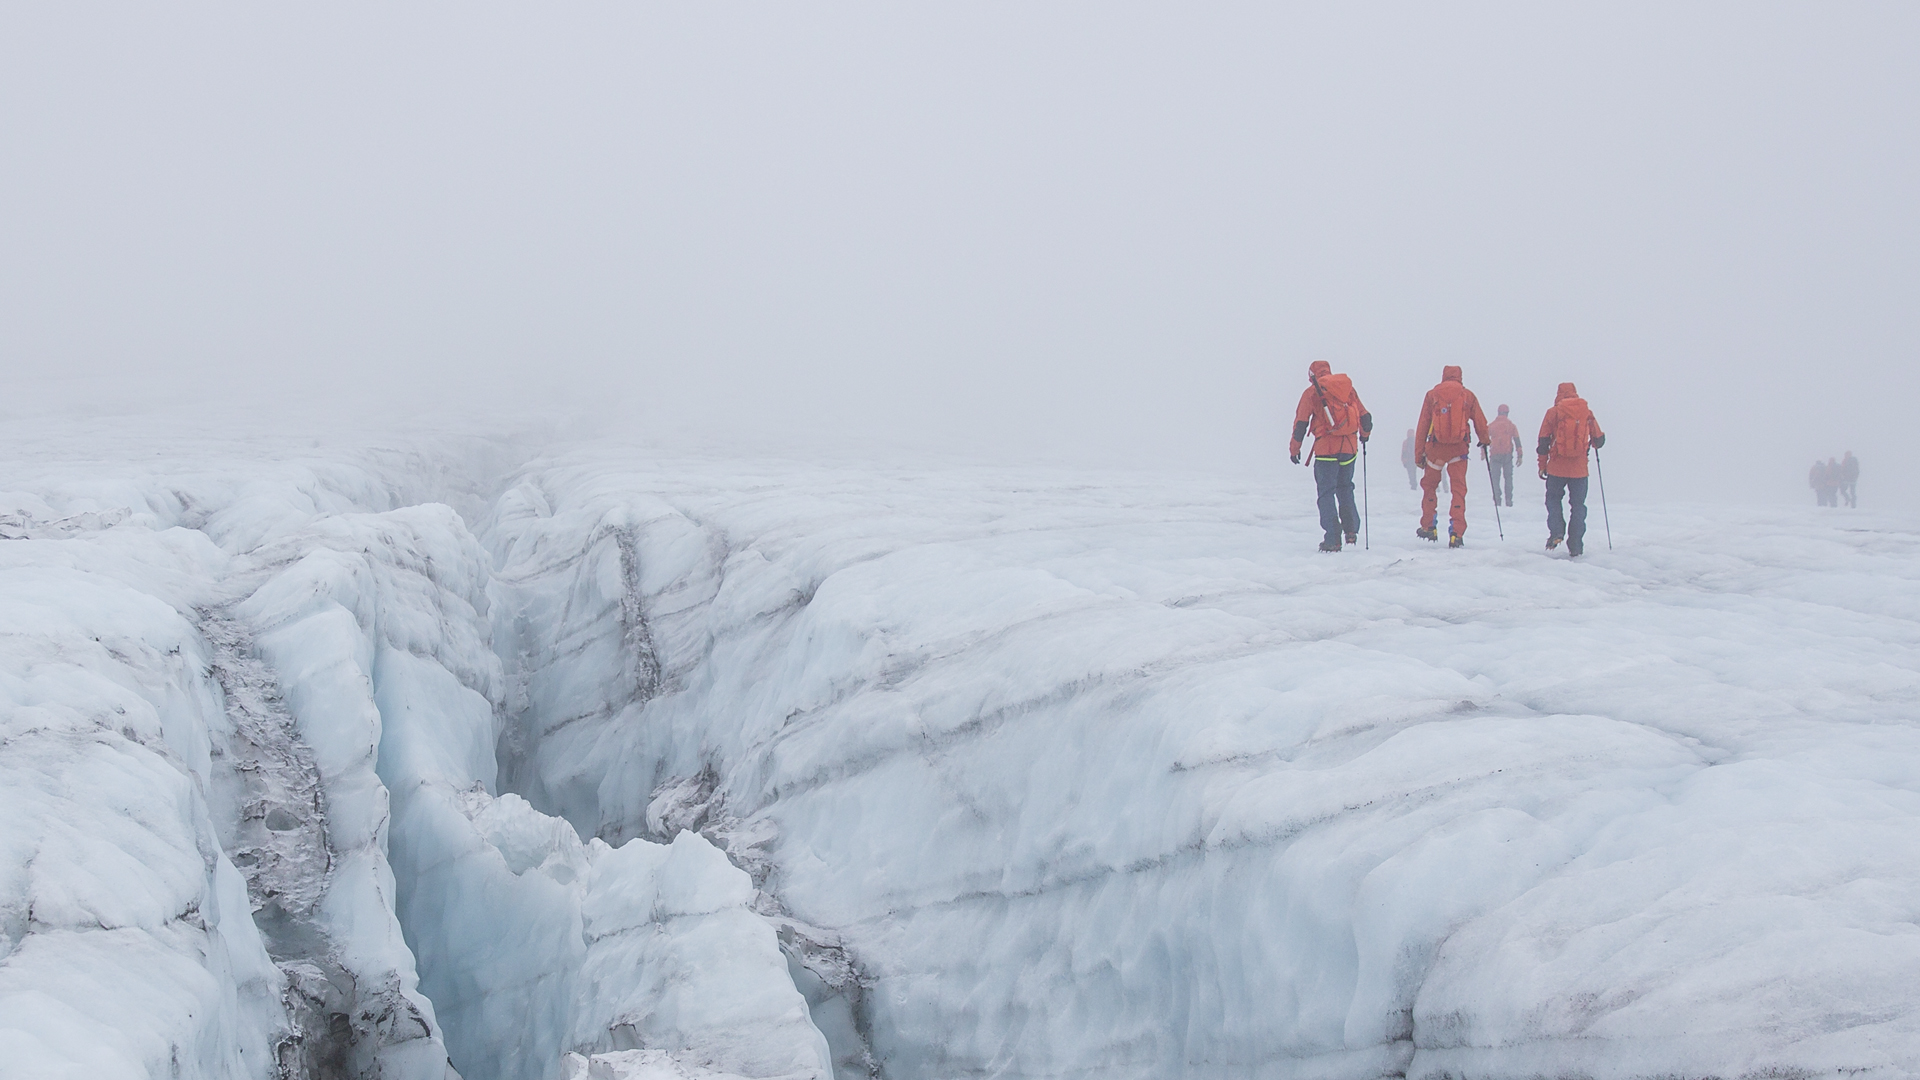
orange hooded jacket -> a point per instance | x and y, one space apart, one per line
1506 437
1310 416
1568 417
1448 417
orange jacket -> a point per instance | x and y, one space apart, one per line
1505 437
1449 404
1309 416
1569 412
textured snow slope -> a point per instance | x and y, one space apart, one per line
393 760
1114 775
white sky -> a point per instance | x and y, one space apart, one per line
1097 232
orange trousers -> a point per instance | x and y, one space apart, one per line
1430 497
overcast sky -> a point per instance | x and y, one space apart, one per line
1083 232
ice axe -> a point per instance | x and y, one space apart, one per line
1495 492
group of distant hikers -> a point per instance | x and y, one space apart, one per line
1450 419
1833 481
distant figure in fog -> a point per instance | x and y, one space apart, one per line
1817 480
1506 454
1849 476
1407 458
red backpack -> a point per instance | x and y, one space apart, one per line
1339 406
1449 424
1570 431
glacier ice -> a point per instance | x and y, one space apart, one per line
432 755
1117 776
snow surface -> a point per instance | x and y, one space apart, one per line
404 758
1117 774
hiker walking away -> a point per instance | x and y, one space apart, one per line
1834 483
1817 480
1506 454
1448 418
1849 476
1566 434
1331 409
1407 458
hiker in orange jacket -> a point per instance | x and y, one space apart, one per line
1446 417
1505 454
1331 409
1566 434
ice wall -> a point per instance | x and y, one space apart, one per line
1108 777
249 743
126 946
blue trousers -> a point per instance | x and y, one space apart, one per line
1575 490
1333 478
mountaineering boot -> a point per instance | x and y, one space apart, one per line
1574 548
1430 532
1552 542
1352 539
1329 545
1454 540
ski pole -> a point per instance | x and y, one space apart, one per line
1366 502
1496 494
1602 473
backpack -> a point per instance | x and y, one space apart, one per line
1449 424
1570 431
1339 409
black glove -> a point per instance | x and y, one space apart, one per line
1294 457
1599 441
1365 435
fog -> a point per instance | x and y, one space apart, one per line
1093 233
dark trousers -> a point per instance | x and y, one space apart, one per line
1503 478
1575 490
1333 477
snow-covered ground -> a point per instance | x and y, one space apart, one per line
589 762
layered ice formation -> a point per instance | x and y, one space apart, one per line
415 760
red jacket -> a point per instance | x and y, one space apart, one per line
1568 417
1310 415
1449 406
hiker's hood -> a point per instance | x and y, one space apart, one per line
1503 410
1319 368
1566 391
1450 373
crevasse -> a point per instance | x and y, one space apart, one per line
309 704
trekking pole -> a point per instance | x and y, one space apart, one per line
1496 496
1602 473
1366 502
